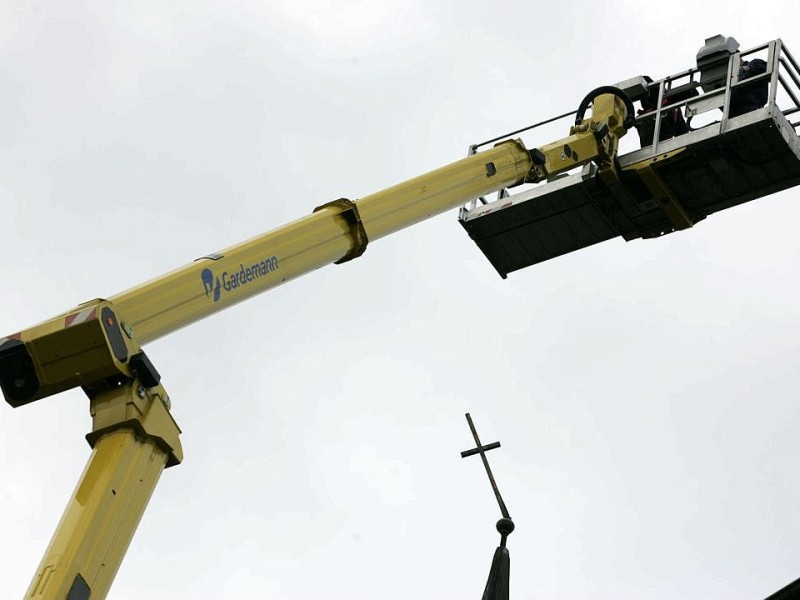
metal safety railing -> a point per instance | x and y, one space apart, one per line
693 95
473 149
701 100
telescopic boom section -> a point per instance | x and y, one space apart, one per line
98 344
339 231
333 233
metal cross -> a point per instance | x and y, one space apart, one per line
482 451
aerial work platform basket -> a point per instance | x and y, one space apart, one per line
728 155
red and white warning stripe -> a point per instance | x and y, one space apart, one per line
13 336
80 317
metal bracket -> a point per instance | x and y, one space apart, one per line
145 410
661 192
349 212
84 347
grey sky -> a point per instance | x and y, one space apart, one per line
645 393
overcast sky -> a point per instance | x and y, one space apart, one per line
645 393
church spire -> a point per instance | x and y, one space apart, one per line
497 585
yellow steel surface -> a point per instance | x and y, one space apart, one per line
174 300
433 193
101 517
143 409
582 145
665 197
569 153
610 109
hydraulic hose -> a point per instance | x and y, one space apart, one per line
630 117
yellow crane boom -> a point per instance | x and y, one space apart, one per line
97 345
667 185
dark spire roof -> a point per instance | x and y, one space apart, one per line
500 574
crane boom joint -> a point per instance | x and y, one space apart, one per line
348 210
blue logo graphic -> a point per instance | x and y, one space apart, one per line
208 283
213 285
